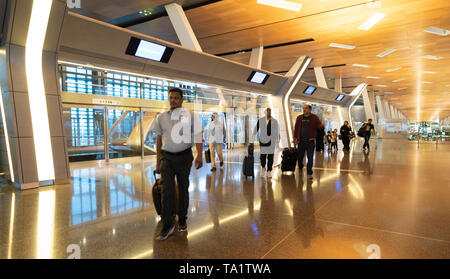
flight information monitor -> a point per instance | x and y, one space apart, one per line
148 50
309 90
340 97
258 77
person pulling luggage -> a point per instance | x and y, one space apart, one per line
177 130
216 134
305 131
269 134
367 129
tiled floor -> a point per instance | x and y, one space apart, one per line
394 198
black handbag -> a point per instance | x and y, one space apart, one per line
208 155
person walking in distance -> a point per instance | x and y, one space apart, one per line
215 138
177 130
319 138
305 131
345 135
368 127
334 140
268 140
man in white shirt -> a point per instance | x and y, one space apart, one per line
177 129
215 139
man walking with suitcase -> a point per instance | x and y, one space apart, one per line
177 130
305 131
367 128
268 140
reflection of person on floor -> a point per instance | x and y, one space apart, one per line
304 218
249 194
365 164
215 137
266 221
215 199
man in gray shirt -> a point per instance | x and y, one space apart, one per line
177 130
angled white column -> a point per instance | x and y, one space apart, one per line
387 109
393 116
369 105
320 77
381 108
256 57
281 100
182 27
338 83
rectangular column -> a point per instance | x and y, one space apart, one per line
182 27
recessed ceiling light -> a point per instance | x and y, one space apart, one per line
361 65
437 31
287 5
397 80
388 93
374 77
404 95
380 85
428 72
403 88
427 82
432 57
371 21
384 53
393 69
341 46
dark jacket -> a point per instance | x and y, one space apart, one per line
345 131
314 124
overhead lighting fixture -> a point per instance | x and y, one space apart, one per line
341 46
397 80
437 31
384 53
380 85
393 69
388 93
428 72
374 19
432 57
287 5
374 77
427 82
403 88
361 65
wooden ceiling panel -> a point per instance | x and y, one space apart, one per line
232 25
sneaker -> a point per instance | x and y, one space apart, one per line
165 233
221 164
269 174
182 227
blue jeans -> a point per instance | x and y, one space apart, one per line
308 147
366 141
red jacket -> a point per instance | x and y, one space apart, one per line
314 124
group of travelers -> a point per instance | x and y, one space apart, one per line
174 156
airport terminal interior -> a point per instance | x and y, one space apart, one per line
82 83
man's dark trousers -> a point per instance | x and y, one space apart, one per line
346 142
172 166
262 158
308 147
366 141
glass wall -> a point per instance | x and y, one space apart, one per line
87 124
428 131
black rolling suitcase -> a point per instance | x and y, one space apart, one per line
248 164
289 159
157 195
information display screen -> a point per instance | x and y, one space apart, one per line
310 90
340 97
258 77
149 50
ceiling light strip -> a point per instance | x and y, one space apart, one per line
374 19
37 30
282 4
341 46
384 53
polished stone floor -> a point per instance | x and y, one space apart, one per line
391 203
